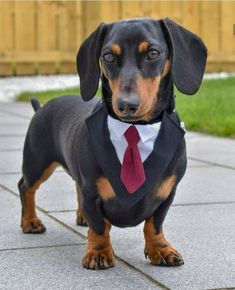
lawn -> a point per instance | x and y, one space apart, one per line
211 110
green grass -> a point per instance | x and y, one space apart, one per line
44 97
211 110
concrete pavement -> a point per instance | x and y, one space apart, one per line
200 224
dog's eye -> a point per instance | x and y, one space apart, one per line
109 57
153 54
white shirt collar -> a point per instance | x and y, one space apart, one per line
146 132
118 127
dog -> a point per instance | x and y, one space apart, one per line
119 181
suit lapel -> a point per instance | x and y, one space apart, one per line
170 135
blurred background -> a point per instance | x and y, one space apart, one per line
39 41
42 37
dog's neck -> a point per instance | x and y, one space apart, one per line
165 99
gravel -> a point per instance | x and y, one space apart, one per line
11 87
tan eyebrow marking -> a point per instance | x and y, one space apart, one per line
143 46
116 49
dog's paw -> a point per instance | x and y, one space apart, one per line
81 220
32 226
99 259
163 255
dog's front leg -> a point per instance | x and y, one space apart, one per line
157 248
99 253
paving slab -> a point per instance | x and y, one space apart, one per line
57 194
2 114
7 118
60 268
10 181
13 129
11 236
206 185
12 143
10 161
19 109
202 234
212 149
195 163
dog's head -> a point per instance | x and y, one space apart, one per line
138 60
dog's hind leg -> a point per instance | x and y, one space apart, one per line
81 219
28 185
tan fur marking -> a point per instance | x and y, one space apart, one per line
150 232
45 175
116 49
143 46
105 189
166 68
81 219
115 87
166 187
147 90
29 202
157 248
103 71
29 213
99 248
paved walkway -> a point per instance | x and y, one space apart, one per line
201 224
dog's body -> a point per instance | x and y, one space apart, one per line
139 64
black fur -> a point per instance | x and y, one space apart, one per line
35 104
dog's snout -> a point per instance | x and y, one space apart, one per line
128 106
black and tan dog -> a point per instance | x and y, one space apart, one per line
138 60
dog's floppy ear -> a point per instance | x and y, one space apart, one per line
88 63
189 56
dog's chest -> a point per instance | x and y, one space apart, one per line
122 216
169 136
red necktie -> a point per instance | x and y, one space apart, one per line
132 172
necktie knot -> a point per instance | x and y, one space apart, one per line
132 135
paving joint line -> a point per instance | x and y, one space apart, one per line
155 282
203 203
10 173
226 288
12 135
20 172
43 247
11 150
212 163
61 211
14 123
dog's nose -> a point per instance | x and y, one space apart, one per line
129 105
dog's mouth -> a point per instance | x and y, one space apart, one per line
130 119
